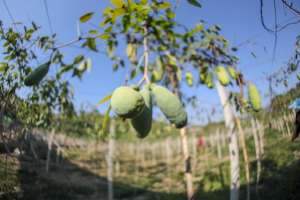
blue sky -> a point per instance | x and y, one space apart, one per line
239 21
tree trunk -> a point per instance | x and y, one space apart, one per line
110 165
219 148
49 150
187 160
232 140
186 156
245 155
257 151
260 129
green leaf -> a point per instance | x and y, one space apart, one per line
189 78
117 3
78 59
195 3
133 74
104 99
104 36
105 121
86 17
85 65
171 59
91 44
3 66
163 5
93 32
63 69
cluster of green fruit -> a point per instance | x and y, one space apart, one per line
130 103
224 76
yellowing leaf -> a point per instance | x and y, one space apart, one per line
131 52
171 59
117 3
104 99
86 17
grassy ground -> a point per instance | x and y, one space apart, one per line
150 174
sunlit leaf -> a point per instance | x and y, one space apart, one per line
104 99
163 5
131 52
78 59
118 12
104 36
189 78
93 32
105 120
117 3
86 17
171 59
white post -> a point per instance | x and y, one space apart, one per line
232 141
50 140
110 158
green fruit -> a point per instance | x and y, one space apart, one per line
170 105
142 123
127 102
222 75
254 97
232 72
37 75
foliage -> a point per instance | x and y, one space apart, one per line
46 92
173 54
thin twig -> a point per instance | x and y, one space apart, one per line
68 43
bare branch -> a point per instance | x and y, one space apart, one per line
290 6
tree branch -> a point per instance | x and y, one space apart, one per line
262 17
290 6
146 55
